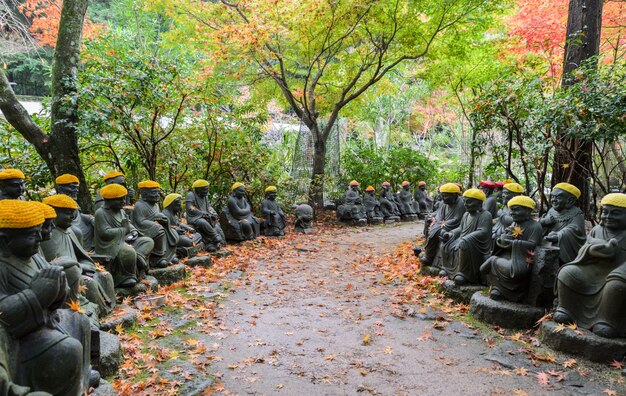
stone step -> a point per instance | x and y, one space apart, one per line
122 315
110 354
505 314
149 282
169 275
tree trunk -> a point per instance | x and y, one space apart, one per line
572 158
316 188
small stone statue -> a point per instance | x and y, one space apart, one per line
352 211
504 219
407 206
509 271
564 224
424 202
498 192
236 218
447 218
468 246
592 288
117 238
50 346
83 223
202 217
11 184
372 207
491 204
64 243
150 222
114 177
388 204
275 221
187 236
304 217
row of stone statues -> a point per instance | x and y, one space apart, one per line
469 246
364 209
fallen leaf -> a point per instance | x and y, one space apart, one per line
617 364
521 371
570 363
610 392
543 379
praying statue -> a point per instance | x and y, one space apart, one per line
304 218
564 224
469 245
274 222
11 184
114 177
202 217
592 288
236 218
509 271
408 207
118 239
83 223
187 236
490 204
388 204
352 210
424 202
504 219
372 207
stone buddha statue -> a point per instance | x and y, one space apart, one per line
372 207
445 219
352 210
236 218
424 202
564 224
150 222
202 217
304 218
114 177
490 204
592 288
187 236
388 204
63 243
49 347
509 271
504 219
407 206
116 238
275 221
497 192
466 247
83 223
11 184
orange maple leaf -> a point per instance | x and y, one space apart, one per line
517 232
617 364
74 305
610 392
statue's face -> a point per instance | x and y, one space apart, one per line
613 217
115 204
46 229
65 216
354 188
407 187
21 242
240 192
202 191
370 193
472 205
449 198
561 200
121 180
150 195
69 189
12 188
520 213
507 195
486 190
176 206
422 187
271 195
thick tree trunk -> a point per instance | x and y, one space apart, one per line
572 158
316 188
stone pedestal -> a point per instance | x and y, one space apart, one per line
169 275
430 270
409 217
354 222
221 253
543 277
586 344
462 294
200 261
122 315
104 389
504 313
392 219
375 220
149 282
110 354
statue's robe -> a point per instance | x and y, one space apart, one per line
352 209
592 288
501 222
447 218
83 226
475 230
99 284
275 221
203 218
387 205
509 271
187 236
128 261
407 205
423 201
164 237
372 207
237 220
491 206
570 230
50 347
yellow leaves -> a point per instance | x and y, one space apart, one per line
609 392
559 328
570 363
329 357
517 232
565 166
119 329
74 305
82 289
366 339
521 371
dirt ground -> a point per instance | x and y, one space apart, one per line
316 319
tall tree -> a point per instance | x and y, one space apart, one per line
58 148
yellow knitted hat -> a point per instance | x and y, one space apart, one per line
354 183
20 214
450 188
60 201
169 198
111 175
270 188
10 174
514 187
370 188
521 200
405 183
475 193
570 188
236 186
200 183
48 211
113 191
66 178
613 199
148 184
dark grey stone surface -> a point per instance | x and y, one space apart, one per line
504 313
110 354
409 217
200 261
430 270
169 275
126 320
104 389
149 282
543 277
462 294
